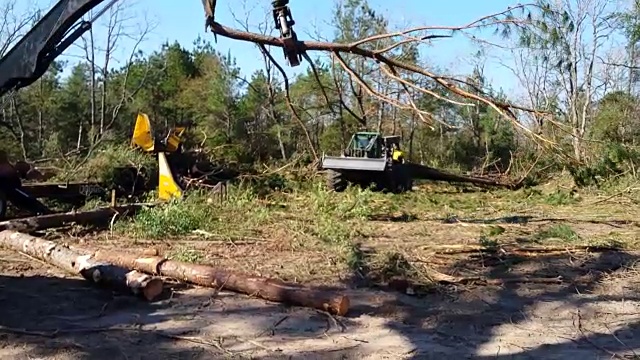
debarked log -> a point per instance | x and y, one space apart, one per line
209 276
98 272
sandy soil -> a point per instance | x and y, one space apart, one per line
593 314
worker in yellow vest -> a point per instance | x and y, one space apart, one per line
396 154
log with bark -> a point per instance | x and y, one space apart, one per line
209 276
429 173
98 272
94 216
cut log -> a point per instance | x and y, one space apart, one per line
428 173
209 276
98 272
94 216
63 190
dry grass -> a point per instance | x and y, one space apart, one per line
312 235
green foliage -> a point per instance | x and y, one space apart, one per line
559 232
178 217
115 166
616 120
187 255
80 122
613 161
560 197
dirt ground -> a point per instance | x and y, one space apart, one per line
573 304
594 314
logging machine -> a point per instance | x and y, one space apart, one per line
370 159
30 58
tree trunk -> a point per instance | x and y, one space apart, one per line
79 140
204 275
577 143
99 273
92 61
19 124
283 151
429 173
632 65
412 135
41 150
44 222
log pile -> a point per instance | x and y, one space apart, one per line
208 276
141 275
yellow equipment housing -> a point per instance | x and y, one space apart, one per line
143 138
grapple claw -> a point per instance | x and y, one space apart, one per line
284 22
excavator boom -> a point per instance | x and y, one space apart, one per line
30 58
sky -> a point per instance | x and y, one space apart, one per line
183 21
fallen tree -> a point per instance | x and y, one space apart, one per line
428 173
100 273
203 275
94 216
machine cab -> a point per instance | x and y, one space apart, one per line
392 142
365 144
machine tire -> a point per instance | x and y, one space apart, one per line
3 205
336 181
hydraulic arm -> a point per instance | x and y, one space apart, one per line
30 58
284 22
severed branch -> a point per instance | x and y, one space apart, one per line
506 110
288 98
360 119
317 77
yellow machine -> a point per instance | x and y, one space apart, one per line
143 138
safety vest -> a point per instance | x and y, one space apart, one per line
396 155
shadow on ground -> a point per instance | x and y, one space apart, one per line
48 316
43 316
516 308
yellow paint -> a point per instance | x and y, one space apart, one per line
167 188
174 139
142 136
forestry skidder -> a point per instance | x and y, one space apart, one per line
370 159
